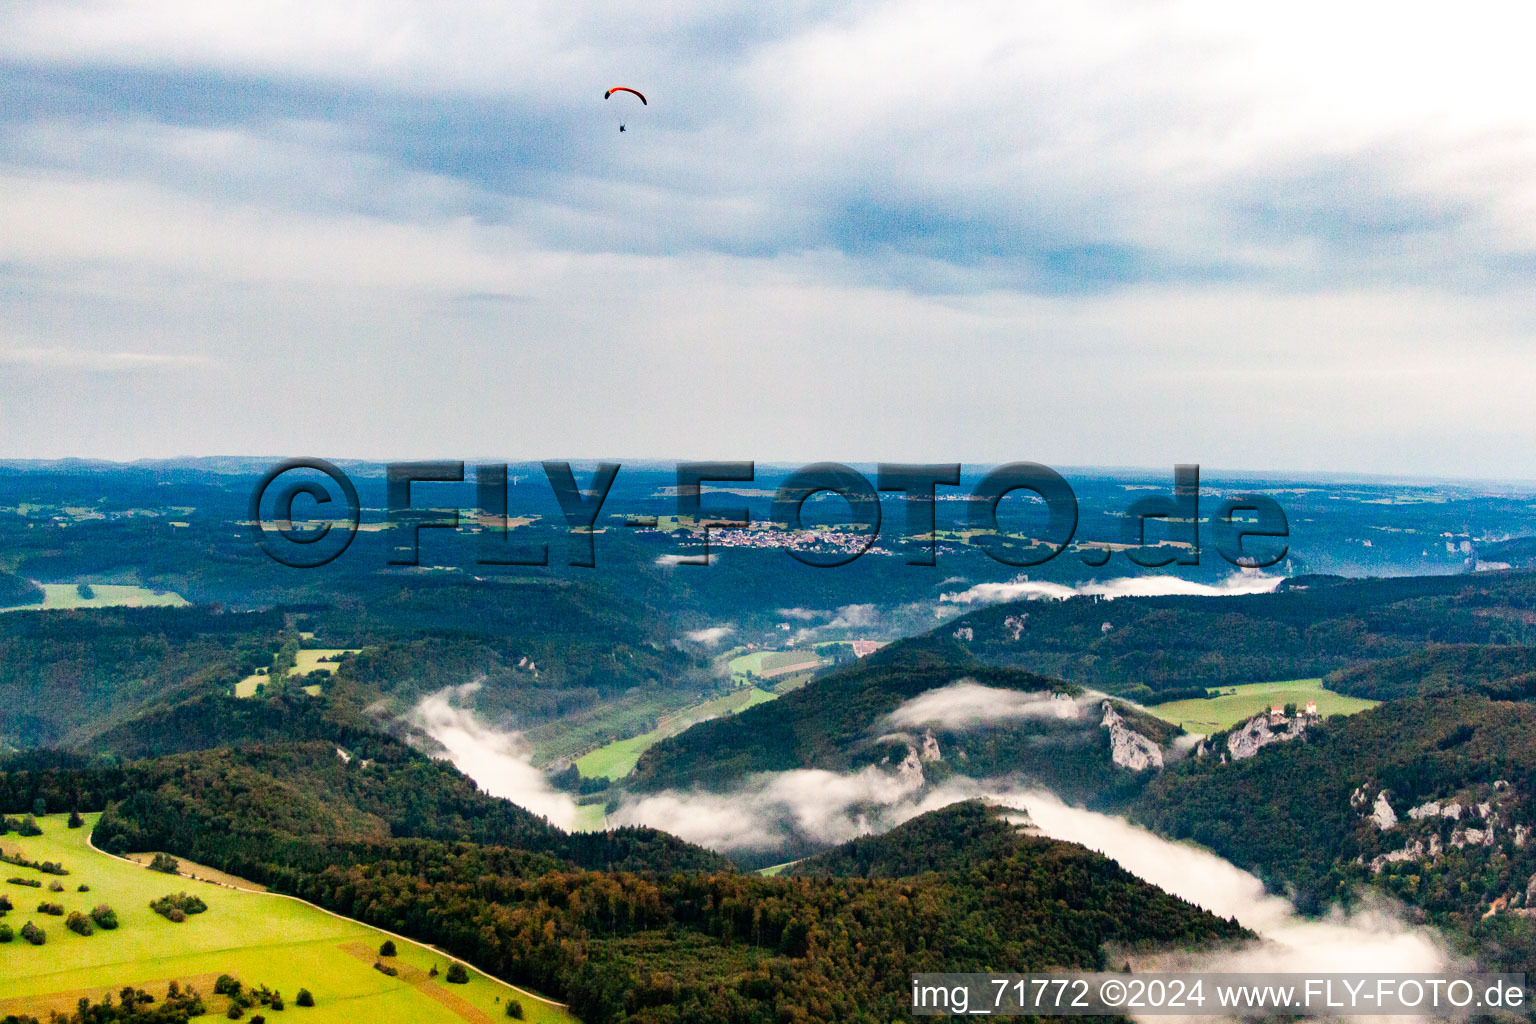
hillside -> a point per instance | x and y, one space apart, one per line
1307 628
1367 801
260 939
1010 723
1499 671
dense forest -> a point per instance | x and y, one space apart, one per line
1309 627
835 723
1302 814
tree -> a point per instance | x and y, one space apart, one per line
104 916
456 975
388 948
29 825
6 934
33 934
304 998
85 590
514 1009
79 923
166 863
75 821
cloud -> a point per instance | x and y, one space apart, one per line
1373 939
966 704
711 636
1104 196
499 761
98 362
1130 586
772 810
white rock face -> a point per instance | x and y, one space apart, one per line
1382 813
1128 748
911 768
1256 734
1425 810
930 750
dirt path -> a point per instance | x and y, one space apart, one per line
423 982
341 917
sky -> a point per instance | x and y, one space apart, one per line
1095 233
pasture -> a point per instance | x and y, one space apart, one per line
258 938
1237 704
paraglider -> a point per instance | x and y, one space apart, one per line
625 88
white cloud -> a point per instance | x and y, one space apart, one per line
499 761
1130 586
711 636
966 704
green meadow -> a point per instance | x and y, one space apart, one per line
1237 704
617 759
258 938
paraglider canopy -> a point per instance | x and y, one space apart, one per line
625 88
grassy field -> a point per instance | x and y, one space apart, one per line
307 661
617 759
261 939
106 595
1240 703
772 664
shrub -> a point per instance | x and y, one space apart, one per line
55 887
6 904
388 948
34 883
258 1019
29 827
384 968
83 888
104 916
51 909
456 975
6 934
234 1012
78 923
514 1009
33 934
226 985
277 1001
178 907
303 998
164 862
75 821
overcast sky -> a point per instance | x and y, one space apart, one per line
1252 237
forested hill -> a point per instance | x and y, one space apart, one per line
1502 672
1431 799
662 946
839 723
957 837
1309 627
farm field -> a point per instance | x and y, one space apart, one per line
258 938
617 759
1239 703
774 664
105 595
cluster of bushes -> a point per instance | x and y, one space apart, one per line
33 934
514 1009
132 1006
242 999
165 863
7 934
79 923
47 867
30 882
104 916
51 909
178 907
5 904
384 968
456 975
26 826
55 887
